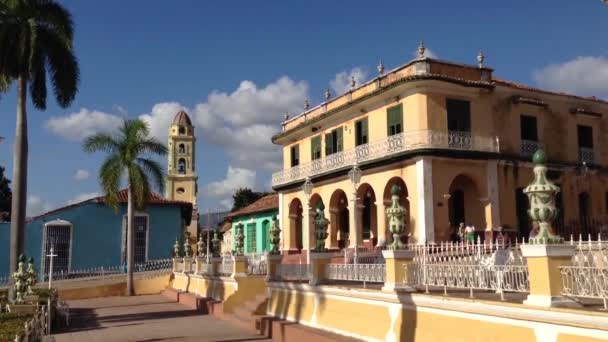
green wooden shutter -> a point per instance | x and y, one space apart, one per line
329 148
364 132
315 145
340 144
395 120
297 154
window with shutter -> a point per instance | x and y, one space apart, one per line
361 132
459 115
395 119
295 155
329 144
315 148
339 139
334 141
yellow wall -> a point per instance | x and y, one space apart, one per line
366 315
94 289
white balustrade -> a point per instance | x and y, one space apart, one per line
395 144
373 273
293 272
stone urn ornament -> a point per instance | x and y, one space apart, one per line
320 228
20 278
275 237
239 240
215 242
200 246
396 219
541 195
32 276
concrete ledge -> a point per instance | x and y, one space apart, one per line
556 250
285 331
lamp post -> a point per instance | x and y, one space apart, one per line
355 177
307 189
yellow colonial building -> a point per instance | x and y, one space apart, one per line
455 139
181 170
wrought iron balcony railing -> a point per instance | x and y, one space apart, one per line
586 155
389 146
529 147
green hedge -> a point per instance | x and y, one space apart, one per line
12 324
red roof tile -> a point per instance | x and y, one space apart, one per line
266 203
516 85
182 118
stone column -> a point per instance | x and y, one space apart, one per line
272 263
397 274
352 230
292 232
307 228
239 268
332 242
544 274
187 265
425 220
319 262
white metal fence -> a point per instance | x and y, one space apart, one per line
257 264
293 272
226 267
373 273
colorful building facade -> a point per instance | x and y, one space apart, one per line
90 234
256 219
455 139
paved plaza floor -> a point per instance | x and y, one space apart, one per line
146 318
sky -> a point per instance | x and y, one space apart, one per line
237 66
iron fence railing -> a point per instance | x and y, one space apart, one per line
257 264
293 272
407 141
585 282
373 273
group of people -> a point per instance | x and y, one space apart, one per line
466 233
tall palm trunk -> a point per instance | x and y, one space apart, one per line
19 177
130 216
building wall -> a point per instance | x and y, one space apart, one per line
97 234
258 219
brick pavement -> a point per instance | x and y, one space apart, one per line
146 318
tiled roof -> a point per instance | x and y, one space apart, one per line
182 118
266 203
122 199
516 85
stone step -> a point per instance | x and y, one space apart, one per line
284 331
171 294
194 302
263 325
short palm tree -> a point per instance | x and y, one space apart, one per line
35 42
128 159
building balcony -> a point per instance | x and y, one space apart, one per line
529 147
586 155
388 147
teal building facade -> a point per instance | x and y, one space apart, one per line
256 219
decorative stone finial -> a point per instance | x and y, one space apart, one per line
421 49
32 276
275 237
176 250
286 116
200 246
380 68
541 194
20 280
327 94
480 58
187 248
215 242
239 240
353 83
396 219
306 104
320 228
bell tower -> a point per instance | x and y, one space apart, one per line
181 171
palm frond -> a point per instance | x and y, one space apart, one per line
140 186
155 171
153 146
55 17
109 175
62 66
101 142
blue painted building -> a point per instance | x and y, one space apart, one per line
90 234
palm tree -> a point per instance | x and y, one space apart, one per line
35 41
128 151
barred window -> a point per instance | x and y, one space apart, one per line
251 238
57 234
140 239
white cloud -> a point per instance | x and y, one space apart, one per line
83 197
584 75
36 206
81 175
160 118
341 82
79 125
235 178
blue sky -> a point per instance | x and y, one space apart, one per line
237 66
